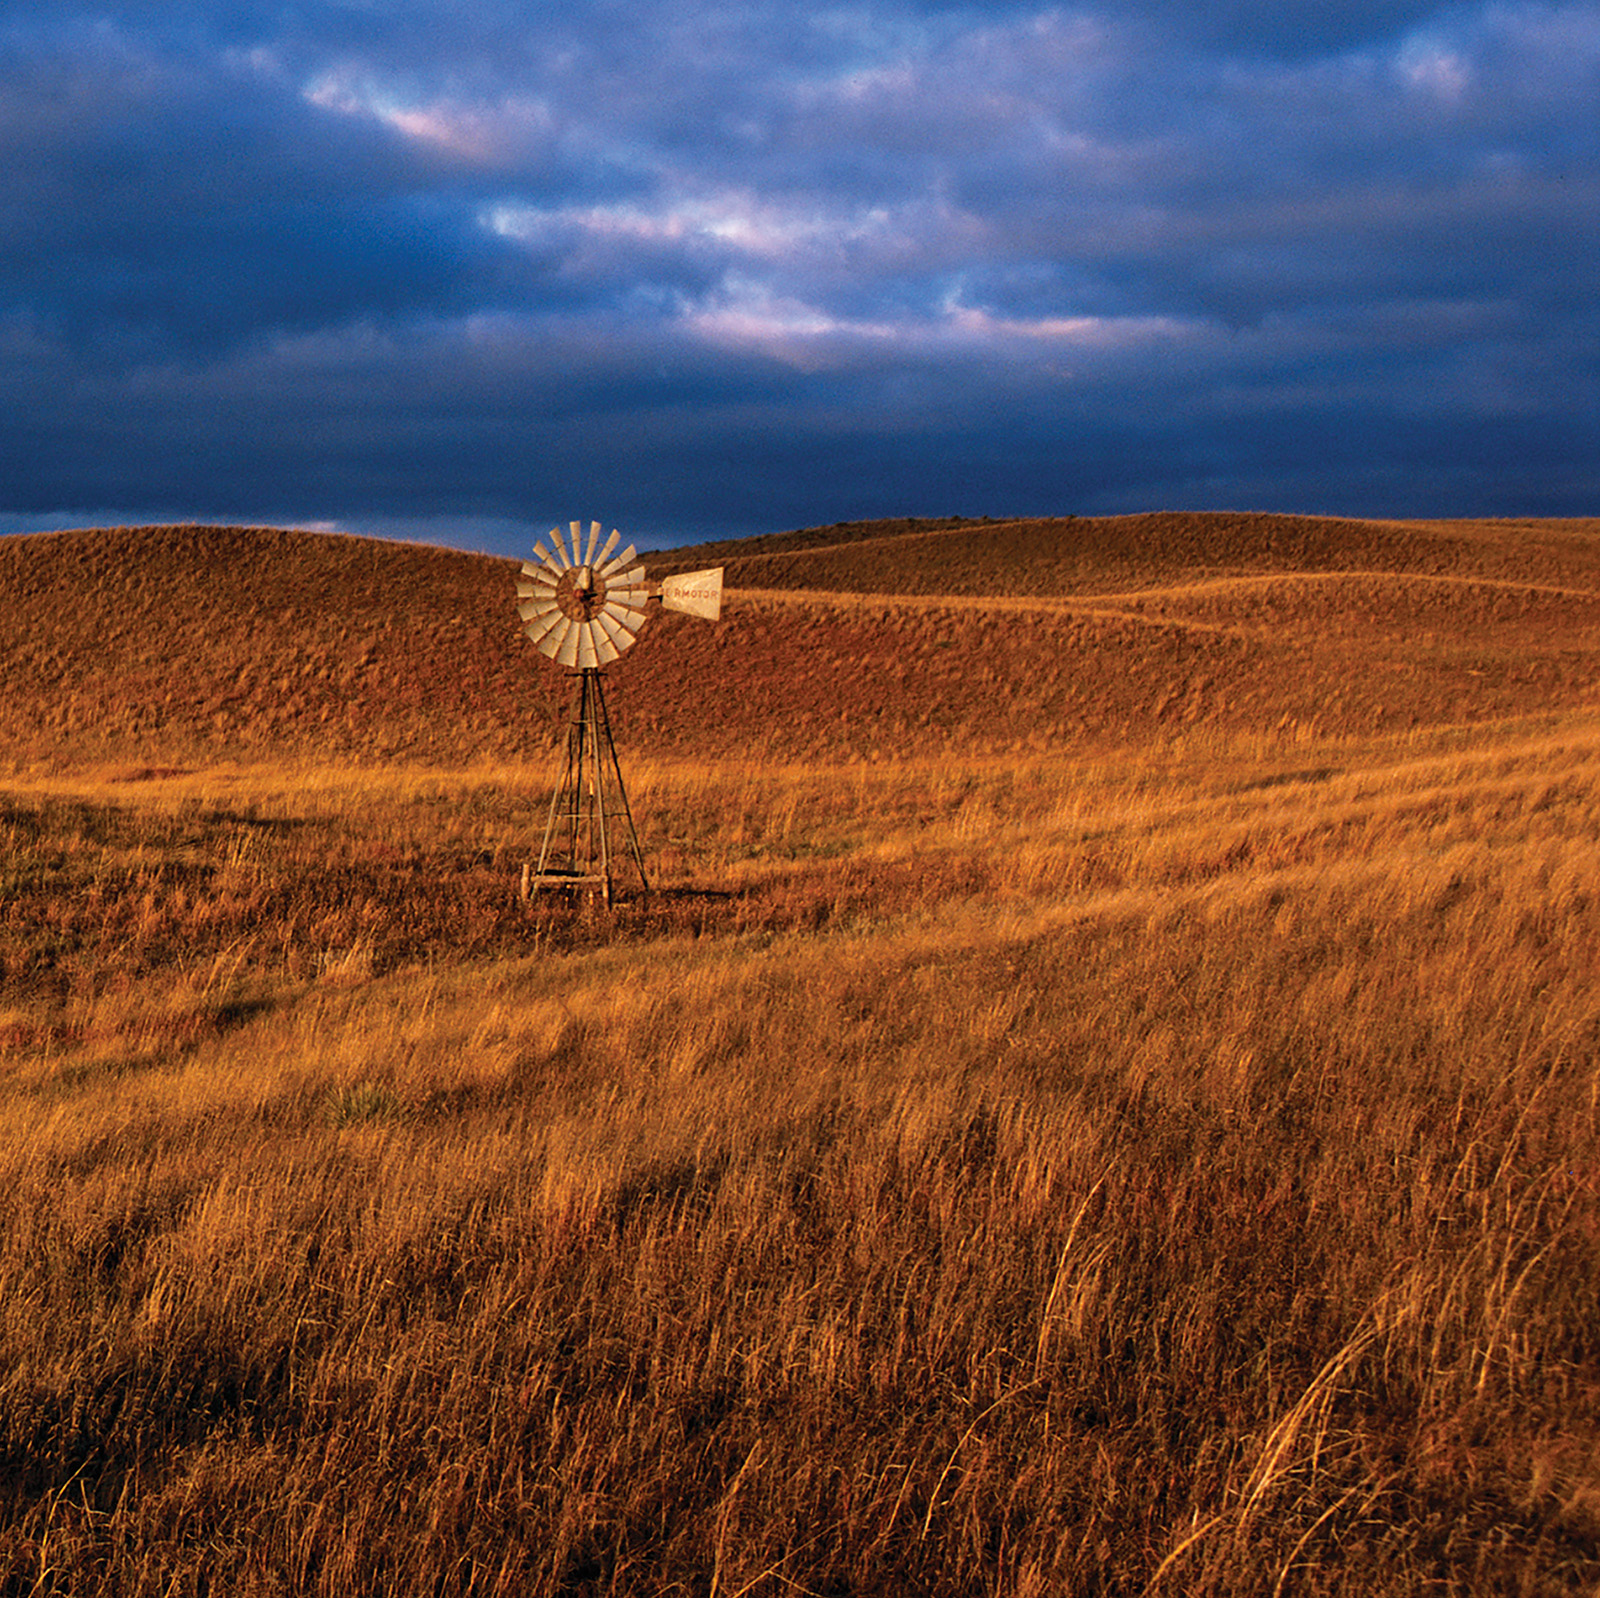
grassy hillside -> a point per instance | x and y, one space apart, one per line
1102 1100
1055 557
178 646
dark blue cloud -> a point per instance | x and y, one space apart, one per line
1247 28
729 268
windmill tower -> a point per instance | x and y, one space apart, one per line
583 610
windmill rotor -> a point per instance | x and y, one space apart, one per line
582 605
582 610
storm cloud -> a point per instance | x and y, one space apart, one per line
702 270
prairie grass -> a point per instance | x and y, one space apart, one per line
1170 1168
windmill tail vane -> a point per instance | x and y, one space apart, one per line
582 604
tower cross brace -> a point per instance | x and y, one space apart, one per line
581 846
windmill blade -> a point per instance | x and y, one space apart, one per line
631 584
616 631
567 652
613 566
564 642
623 615
694 593
531 609
601 649
611 544
536 627
545 631
532 588
562 560
585 659
629 614
547 645
594 540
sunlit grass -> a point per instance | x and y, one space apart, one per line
1171 1170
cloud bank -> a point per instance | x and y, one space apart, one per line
702 270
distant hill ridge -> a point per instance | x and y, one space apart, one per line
1071 555
177 645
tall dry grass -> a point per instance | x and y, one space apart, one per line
1167 1173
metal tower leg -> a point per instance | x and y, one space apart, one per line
577 847
603 733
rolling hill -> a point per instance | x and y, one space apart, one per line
176 645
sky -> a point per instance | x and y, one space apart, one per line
701 269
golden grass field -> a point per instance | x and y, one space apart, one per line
1103 1098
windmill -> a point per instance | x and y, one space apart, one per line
584 610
